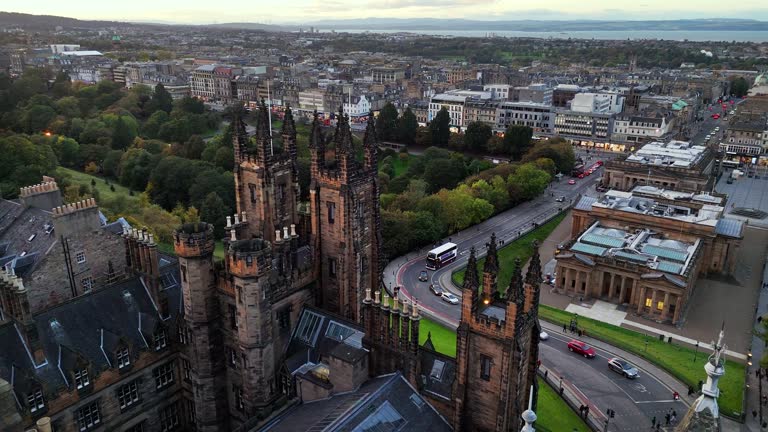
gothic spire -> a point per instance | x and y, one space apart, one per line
239 138
471 280
533 276
343 136
289 126
370 139
492 258
316 136
515 290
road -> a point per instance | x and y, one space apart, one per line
634 401
404 271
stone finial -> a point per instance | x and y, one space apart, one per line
242 217
377 297
395 304
285 233
405 307
367 295
229 221
277 236
385 299
237 218
293 231
415 310
151 239
233 235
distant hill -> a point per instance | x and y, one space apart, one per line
48 22
373 24
253 26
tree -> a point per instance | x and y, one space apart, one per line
194 147
152 126
423 137
739 87
161 100
407 126
443 174
122 137
23 163
37 118
215 212
517 141
67 151
111 163
440 128
530 180
476 136
558 150
386 123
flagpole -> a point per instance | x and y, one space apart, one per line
269 114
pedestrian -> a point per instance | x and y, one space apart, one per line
765 400
581 410
674 418
674 414
565 328
653 422
667 418
757 373
658 426
546 373
754 414
561 392
759 319
586 411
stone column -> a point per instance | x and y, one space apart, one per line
665 311
597 292
678 309
640 299
623 291
612 287
653 302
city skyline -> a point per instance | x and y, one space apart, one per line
309 11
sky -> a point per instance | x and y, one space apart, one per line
306 11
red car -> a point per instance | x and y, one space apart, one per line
581 348
571 182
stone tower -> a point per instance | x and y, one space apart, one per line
344 215
704 414
266 180
497 346
194 245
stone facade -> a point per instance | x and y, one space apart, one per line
497 346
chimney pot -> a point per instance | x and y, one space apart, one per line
377 297
293 230
285 233
237 219
415 313
368 295
229 221
233 235
405 307
151 239
277 236
242 217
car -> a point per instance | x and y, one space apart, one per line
543 336
560 199
579 347
571 182
423 276
623 367
450 298
717 128
436 290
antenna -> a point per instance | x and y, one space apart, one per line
269 116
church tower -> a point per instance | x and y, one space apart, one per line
497 346
344 214
266 179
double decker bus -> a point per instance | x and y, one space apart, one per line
441 256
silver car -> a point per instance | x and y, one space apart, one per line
622 367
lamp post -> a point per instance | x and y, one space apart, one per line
696 352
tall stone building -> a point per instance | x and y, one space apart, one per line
497 346
294 313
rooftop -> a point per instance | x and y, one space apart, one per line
674 153
640 246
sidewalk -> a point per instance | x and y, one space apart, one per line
754 386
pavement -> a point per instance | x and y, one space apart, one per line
755 385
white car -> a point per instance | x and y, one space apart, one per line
717 129
543 336
450 298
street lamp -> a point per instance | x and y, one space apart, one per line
749 360
696 352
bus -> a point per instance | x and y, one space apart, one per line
441 256
578 171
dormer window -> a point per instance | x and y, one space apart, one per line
81 378
123 357
161 339
80 257
35 400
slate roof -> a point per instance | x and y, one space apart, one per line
585 203
80 327
387 402
320 334
729 227
437 372
26 235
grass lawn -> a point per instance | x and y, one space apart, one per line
81 178
400 165
521 248
554 414
675 359
443 338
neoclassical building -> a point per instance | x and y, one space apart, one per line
646 248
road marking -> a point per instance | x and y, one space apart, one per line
618 387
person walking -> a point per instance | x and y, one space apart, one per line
653 422
565 328
586 411
667 418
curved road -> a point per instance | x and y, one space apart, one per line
634 401
404 271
